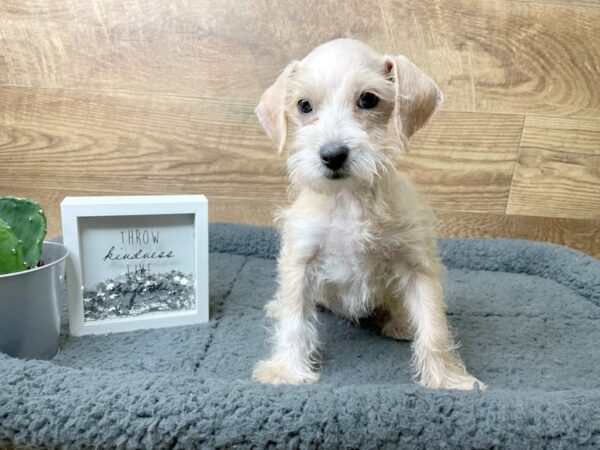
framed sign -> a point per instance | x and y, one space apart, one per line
136 262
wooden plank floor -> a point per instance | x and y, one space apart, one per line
151 97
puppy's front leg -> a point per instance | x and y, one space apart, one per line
434 356
295 337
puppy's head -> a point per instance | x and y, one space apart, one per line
331 110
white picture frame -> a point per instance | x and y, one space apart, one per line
152 224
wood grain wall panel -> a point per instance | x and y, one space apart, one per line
583 235
465 161
585 3
558 169
157 97
504 56
151 144
488 55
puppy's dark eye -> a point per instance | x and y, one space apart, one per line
304 106
367 100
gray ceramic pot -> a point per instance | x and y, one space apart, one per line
30 307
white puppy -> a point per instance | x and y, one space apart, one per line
357 239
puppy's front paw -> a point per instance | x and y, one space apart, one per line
459 381
274 371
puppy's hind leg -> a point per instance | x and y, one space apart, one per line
295 337
434 357
393 319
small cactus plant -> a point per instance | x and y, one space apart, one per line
23 227
11 251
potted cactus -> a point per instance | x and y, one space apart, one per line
31 280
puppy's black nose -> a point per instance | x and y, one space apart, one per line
334 155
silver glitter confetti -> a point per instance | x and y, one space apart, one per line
138 293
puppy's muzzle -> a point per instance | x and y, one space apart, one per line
334 156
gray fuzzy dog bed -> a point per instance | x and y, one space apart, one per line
527 314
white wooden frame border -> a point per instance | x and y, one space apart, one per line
72 208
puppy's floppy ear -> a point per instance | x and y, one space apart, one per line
417 95
271 108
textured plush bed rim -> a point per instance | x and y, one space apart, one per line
527 315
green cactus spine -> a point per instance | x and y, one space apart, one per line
28 223
11 251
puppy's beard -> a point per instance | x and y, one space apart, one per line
365 166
